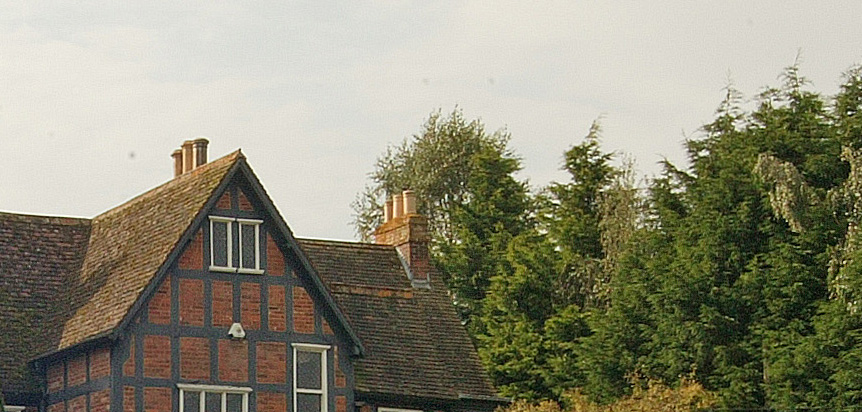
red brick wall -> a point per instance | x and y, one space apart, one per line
76 370
277 312
57 407
128 399
191 302
157 356
340 404
194 358
303 311
158 399
193 256
244 204
222 303
326 329
274 258
233 360
78 404
160 304
250 305
54 376
271 362
271 402
100 401
100 363
224 201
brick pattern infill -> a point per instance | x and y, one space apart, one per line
303 311
160 304
194 358
157 356
193 257
233 360
222 303
274 258
250 305
157 399
191 302
271 362
277 310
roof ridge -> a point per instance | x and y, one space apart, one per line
48 219
348 243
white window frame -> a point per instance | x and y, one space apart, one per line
204 390
324 382
13 408
256 224
230 267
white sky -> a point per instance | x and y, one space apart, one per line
94 96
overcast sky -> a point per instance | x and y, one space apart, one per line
94 96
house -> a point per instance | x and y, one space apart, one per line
196 296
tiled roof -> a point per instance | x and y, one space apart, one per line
415 344
68 281
30 279
130 243
54 272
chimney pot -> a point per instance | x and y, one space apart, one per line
178 162
188 156
409 202
397 205
387 211
200 151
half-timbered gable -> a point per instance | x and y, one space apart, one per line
196 296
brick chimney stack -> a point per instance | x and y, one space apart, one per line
407 230
191 155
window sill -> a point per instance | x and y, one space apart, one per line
237 270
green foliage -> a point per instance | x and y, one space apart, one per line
743 271
689 396
464 182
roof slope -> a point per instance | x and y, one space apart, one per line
37 254
131 243
415 344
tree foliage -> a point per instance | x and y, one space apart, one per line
742 270
464 182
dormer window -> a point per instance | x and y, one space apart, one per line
223 242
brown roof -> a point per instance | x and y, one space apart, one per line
415 345
30 279
131 243
87 275
54 271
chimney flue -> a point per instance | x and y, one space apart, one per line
397 206
200 152
178 162
409 202
188 156
387 210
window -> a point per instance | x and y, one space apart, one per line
309 377
208 398
222 244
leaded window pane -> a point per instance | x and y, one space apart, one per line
213 402
306 402
234 402
191 401
248 243
219 243
308 370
